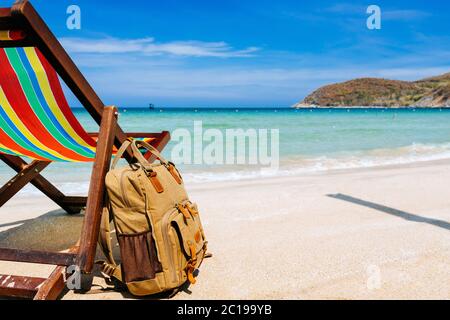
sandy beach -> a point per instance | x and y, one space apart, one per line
374 233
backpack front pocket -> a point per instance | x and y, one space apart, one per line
137 245
139 257
190 234
187 227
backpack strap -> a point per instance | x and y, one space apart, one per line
105 235
120 153
135 144
109 267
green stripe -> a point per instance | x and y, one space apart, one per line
6 151
25 82
17 139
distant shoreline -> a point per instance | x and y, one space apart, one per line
274 108
369 107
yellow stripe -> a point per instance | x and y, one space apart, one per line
23 129
4 35
50 98
13 151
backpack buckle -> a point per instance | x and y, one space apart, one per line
153 176
192 263
184 211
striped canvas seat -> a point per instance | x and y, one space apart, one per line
35 118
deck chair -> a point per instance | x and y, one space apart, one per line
37 123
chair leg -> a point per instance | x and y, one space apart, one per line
94 207
86 282
55 284
52 287
19 286
13 186
20 166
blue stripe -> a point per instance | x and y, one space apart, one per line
37 89
6 151
6 121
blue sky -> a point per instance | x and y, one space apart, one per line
245 53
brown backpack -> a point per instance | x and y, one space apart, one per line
158 228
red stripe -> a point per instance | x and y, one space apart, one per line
61 100
10 144
15 95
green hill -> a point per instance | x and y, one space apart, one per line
430 92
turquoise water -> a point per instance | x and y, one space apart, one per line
310 140
306 132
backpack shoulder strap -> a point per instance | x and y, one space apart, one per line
109 266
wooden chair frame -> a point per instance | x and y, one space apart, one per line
23 16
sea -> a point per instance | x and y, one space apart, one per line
306 141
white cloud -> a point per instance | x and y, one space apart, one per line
235 84
123 73
148 46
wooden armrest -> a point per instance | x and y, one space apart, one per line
160 142
137 134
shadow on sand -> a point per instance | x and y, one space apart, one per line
57 231
53 231
395 212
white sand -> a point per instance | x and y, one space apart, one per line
386 237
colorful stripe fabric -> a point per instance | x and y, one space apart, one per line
35 118
11 35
